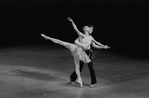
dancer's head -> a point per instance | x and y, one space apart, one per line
88 29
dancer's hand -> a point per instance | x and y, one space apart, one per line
69 19
106 47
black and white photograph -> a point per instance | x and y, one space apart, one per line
74 49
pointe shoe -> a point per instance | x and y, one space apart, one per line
80 82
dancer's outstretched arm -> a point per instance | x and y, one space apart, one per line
99 44
75 27
46 37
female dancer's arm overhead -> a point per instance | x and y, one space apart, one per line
75 27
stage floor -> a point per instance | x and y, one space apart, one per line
43 72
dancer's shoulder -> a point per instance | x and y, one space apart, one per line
90 37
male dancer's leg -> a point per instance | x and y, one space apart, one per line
73 76
92 73
91 69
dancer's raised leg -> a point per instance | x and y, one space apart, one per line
57 41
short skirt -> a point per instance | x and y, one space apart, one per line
79 53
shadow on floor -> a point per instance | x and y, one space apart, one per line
130 77
34 75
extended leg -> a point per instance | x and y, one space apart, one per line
63 43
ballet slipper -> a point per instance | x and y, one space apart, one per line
80 82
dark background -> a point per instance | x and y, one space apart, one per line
121 24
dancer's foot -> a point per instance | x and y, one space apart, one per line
71 82
80 82
92 85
